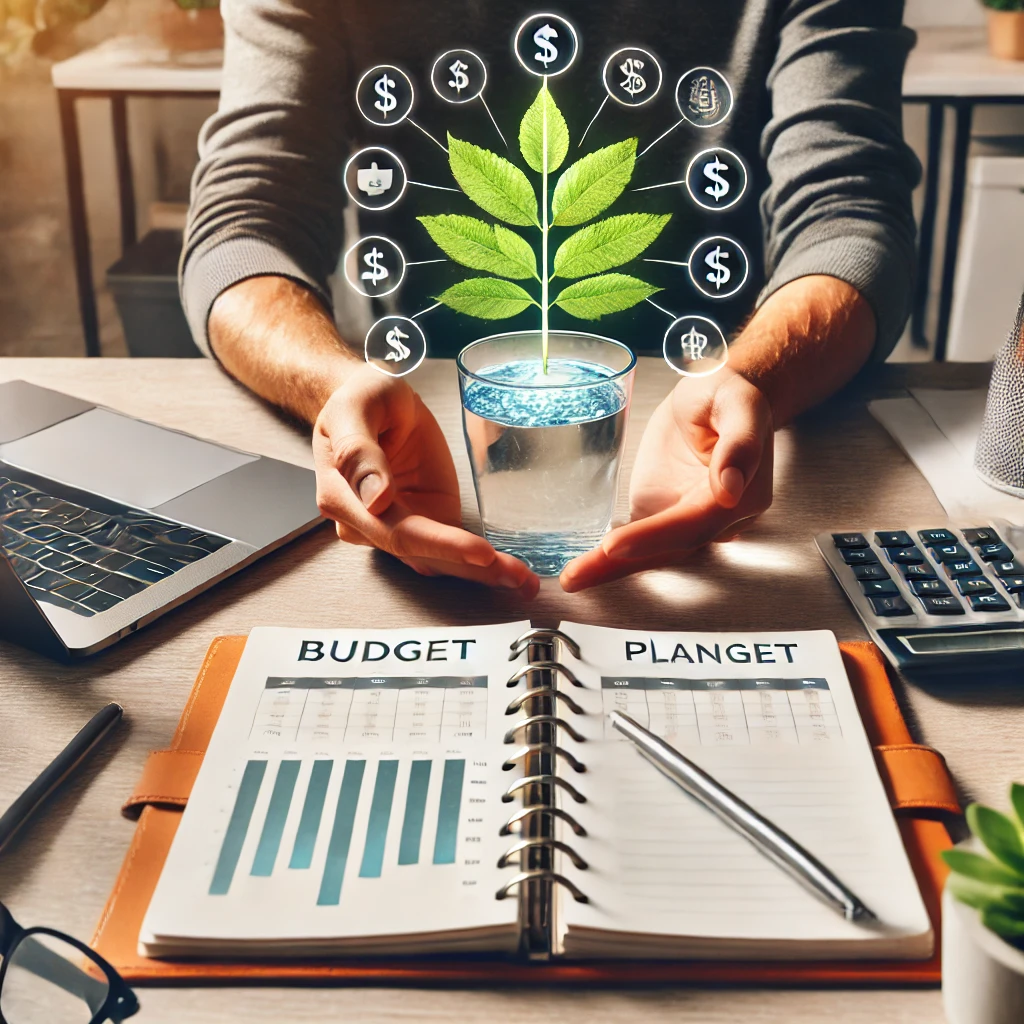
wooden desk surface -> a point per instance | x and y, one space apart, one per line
837 468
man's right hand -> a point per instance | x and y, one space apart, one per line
386 477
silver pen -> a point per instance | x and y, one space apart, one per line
769 839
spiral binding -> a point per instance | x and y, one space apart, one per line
538 755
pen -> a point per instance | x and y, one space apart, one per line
767 837
58 770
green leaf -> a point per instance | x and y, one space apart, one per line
1017 799
980 896
544 114
594 297
592 184
493 183
475 244
1003 922
1000 835
608 243
489 298
981 869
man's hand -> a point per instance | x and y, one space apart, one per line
704 469
385 475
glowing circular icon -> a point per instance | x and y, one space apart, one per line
384 95
704 97
375 178
395 345
546 45
375 266
718 266
458 76
632 76
695 346
716 179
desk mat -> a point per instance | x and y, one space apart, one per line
915 776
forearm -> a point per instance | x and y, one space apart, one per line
805 342
275 337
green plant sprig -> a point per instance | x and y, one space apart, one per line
584 190
994 884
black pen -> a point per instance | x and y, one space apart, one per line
58 770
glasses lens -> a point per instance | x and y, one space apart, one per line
49 981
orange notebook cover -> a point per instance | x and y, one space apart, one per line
915 776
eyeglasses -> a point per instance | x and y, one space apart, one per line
48 977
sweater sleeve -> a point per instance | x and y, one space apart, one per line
841 176
267 194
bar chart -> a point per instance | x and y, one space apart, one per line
341 819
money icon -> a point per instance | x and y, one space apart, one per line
399 352
548 52
704 101
378 272
459 79
373 180
719 271
720 187
693 344
382 87
634 83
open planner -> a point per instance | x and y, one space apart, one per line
406 792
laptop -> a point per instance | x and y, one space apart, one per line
107 522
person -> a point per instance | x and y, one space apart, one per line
817 95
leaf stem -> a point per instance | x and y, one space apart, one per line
544 233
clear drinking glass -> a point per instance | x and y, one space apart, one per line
545 448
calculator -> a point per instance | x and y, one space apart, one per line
936 599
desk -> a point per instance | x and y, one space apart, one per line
60 869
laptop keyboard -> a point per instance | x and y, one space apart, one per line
85 560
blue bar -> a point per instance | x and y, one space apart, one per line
341 834
277 815
312 811
415 812
238 825
448 812
380 815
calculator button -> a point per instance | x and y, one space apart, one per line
995 553
905 556
893 539
942 605
951 552
917 572
870 572
858 556
974 585
849 540
981 535
877 587
889 606
930 537
954 570
1011 568
929 588
988 603
1014 584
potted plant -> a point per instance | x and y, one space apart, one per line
983 919
1006 28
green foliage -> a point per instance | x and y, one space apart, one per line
1004 5
584 190
994 885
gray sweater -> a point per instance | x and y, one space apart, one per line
816 118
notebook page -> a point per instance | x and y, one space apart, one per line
351 789
772 717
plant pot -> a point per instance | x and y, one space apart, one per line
545 448
982 975
1006 34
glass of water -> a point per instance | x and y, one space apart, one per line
545 447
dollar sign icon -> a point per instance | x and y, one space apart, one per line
459 79
387 102
719 187
719 271
693 344
548 52
377 272
634 83
399 352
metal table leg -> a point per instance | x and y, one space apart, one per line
125 181
926 239
79 224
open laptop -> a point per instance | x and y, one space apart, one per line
107 522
